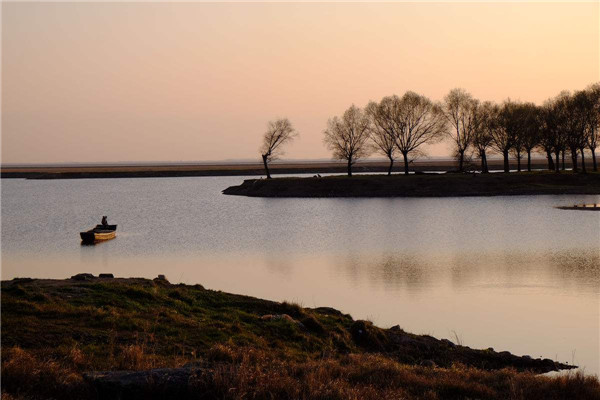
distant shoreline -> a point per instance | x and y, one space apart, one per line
233 169
422 185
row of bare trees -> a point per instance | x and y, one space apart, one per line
398 126
567 123
395 125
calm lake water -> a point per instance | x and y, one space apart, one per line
512 273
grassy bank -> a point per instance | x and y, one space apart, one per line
422 185
210 344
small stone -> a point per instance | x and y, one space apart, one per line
329 310
83 277
161 280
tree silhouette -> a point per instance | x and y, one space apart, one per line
484 125
506 126
546 121
384 126
593 120
573 121
531 130
419 121
347 137
279 132
460 110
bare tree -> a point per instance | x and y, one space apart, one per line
593 120
486 117
503 136
547 144
460 109
583 106
531 130
419 121
518 146
574 126
561 110
348 136
383 130
555 116
521 122
279 132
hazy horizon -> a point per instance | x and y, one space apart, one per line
251 160
143 82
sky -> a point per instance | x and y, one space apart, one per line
114 82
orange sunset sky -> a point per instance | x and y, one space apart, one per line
93 82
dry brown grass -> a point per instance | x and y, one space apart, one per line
369 376
247 373
53 332
23 373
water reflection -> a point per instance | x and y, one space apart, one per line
420 273
279 266
394 272
577 265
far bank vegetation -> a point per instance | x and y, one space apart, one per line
563 127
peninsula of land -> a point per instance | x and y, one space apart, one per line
422 185
103 338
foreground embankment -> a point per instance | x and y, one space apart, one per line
422 185
104 338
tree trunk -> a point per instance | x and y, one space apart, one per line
482 157
583 169
461 159
574 160
529 160
264 157
557 160
594 160
391 166
550 161
405 155
506 166
519 161
350 166
563 160
485 168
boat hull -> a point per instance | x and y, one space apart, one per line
99 234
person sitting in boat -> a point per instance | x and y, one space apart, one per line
104 220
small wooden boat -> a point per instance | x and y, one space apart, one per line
99 233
